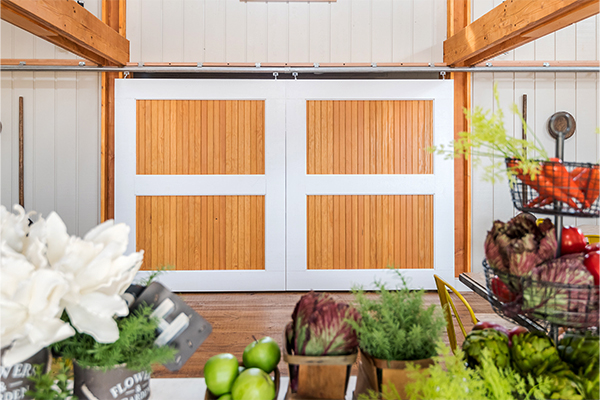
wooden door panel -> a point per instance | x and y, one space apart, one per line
201 232
370 232
200 137
369 136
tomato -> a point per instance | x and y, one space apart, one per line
502 291
573 240
592 247
592 263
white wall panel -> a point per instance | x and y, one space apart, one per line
382 37
279 32
299 38
193 22
341 32
61 144
402 31
319 32
257 33
547 93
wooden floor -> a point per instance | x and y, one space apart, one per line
236 317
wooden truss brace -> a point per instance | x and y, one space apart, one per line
512 24
66 24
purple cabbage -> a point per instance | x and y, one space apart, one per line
319 327
519 245
561 291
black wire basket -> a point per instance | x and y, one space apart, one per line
562 188
546 303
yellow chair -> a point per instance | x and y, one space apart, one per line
446 301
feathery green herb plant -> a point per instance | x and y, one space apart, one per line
488 139
53 385
450 379
135 346
396 325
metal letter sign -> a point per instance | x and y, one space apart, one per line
179 325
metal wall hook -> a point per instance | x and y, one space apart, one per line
125 74
561 123
275 75
295 75
443 75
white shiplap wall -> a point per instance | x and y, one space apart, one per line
547 93
61 133
236 31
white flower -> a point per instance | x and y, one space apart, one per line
30 317
14 227
45 271
97 272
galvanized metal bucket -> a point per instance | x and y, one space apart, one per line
14 379
118 383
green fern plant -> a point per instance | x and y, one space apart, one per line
450 379
396 325
53 385
135 346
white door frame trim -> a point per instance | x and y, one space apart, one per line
300 184
128 185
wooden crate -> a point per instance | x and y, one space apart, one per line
374 373
276 377
323 377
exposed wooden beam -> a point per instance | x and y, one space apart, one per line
113 14
70 26
459 15
512 24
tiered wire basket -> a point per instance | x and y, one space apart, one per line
537 194
546 303
562 189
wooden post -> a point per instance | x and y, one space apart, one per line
21 166
459 16
113 14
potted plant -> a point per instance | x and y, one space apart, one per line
395 330
55 285
321 347
118 370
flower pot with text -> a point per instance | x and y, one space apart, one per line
323 377
376 375
14 379
118 383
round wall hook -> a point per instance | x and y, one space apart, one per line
563 123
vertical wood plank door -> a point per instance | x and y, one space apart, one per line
365 194
194 183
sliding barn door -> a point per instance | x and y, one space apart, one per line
363 192
200 179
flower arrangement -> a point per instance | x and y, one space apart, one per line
46 272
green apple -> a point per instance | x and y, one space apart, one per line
226 397
253 384
219 373
263 354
